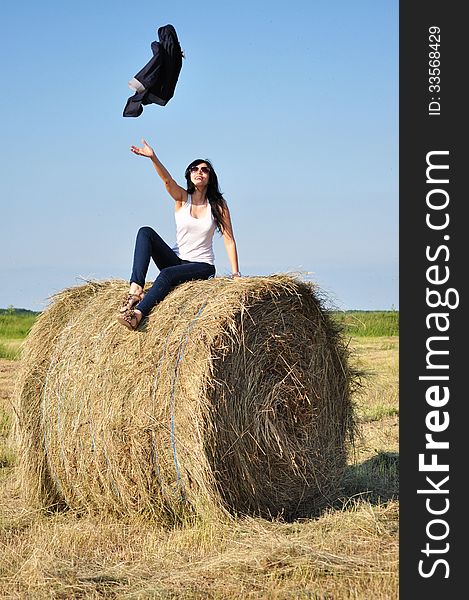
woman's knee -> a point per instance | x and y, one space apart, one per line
145 231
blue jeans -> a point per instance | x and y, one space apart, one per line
173 270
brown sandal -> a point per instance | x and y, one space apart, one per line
129 319
129 301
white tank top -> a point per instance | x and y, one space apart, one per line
194 237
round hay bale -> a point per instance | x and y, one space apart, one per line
234 397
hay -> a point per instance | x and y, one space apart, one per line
234 397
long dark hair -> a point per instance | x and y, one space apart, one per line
214 195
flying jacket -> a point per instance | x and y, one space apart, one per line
156 82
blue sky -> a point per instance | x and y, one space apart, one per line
295 103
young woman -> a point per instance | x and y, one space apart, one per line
200 209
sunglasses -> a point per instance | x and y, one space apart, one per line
204 170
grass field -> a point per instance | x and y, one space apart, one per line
14 326
349 552
362 323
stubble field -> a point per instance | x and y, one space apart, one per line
349 552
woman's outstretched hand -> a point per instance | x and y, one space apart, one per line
146 150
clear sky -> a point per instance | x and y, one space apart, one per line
295 103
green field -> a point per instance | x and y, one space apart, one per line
14 327
364 323
16 323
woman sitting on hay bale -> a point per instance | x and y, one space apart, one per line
199 211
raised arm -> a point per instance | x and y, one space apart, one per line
230 242
178 193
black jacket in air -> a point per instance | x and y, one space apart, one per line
159 76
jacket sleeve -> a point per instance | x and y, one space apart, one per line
152 70
147 77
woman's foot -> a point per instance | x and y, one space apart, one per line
130 318
131 300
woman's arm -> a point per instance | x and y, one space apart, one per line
229 241
178 193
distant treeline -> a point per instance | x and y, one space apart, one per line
17 311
